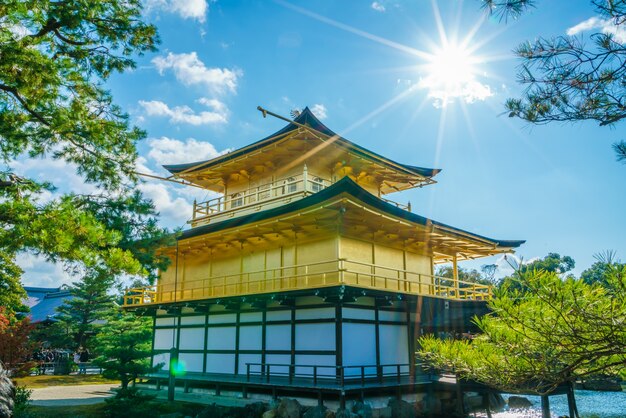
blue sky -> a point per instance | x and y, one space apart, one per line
363 66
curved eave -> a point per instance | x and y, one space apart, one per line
305 118
348 187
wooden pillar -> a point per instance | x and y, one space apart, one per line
545 406
171 384
455 275
571 401
305 176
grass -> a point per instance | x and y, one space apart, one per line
79 411
42 381
98 410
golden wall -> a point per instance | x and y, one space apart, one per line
302 264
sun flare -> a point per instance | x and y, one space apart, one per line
451 73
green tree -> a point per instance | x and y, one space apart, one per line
599 271
557 332
124 345
56 58
465 275
568 79
12 294
552 263
90 303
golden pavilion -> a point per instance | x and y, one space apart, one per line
303 274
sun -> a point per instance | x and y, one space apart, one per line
451 73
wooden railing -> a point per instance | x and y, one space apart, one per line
339 375
299 185
309 276
296 185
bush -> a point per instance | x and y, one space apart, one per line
130 402
21 406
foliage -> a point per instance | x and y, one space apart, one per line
465 275
53 56
124 345
568 79
90 303
15 346
12 294
553 263
52 335
130 402
558 331
600 270
56 57
21 407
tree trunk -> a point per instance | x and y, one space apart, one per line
545 406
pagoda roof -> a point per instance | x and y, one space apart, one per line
482 246
308 119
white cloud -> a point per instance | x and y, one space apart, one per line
184 114
607 26
320 111
173 151
190 70
175 209
379 7
41 273
187 9
443 93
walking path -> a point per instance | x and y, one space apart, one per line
71 395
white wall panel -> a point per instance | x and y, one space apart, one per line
316 360
392 316
359 346
221 338
251 317
192 320
393 344
192 339
315 313
278 337
249 358
250 337
223 319
191 362
165 322
163 358
315 336
354 313
278 359
164 339
220 363
278 315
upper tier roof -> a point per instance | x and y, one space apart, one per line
431 231
308 119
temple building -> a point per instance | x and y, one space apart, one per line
303 275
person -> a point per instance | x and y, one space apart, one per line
77 359
84 358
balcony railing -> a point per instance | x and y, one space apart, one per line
294 186
265 195
309 276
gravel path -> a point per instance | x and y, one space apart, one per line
71 395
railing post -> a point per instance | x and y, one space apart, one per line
314 375
305 175
267 377
195 207
398 372
247 372
362 375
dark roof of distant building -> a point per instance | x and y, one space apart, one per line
44 301
306 117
